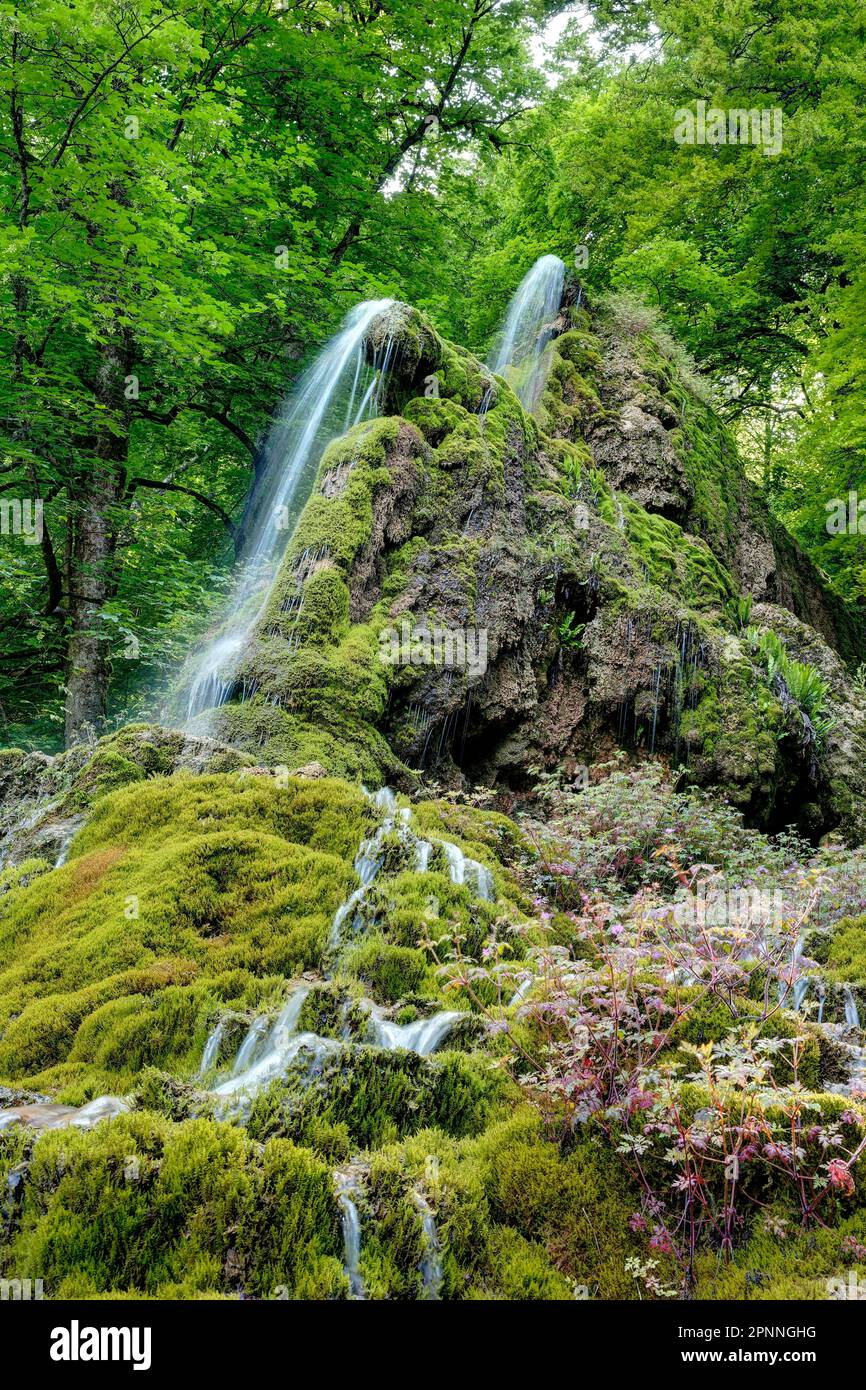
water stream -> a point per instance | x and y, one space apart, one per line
339 389
521 353
431 1262
347 1186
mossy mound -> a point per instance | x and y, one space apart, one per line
181 894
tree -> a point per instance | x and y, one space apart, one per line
191 195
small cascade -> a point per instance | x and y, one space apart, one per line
523 990
423 1036
251 1045
68 831
793 977
801 989
347 1190
461 869
852 1013
322 406
211 1049
368 861
529 326
272 1057
44 1115
345 912
431 1261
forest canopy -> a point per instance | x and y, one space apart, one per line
194 195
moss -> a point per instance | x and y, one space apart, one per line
107 770
331 1013
570 397
780 1262
347 748
390 972
846 956
143 1205
523 1270
709 1019
675 560
339 526
381 1096
106 964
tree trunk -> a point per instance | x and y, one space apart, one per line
93 577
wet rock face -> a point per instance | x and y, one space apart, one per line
843 757
404 341
43 799
669 452
636 455
475 593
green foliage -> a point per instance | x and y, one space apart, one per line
181 892
224 227
142 1205
805 685
379 1096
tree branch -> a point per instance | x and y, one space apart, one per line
214 507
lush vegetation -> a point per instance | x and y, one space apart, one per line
575 1012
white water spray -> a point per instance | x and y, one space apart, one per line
337 391
852 1013
528 330
347 1189
423 1036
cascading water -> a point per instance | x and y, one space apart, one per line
528 330
423 1036
266 1052
211 1050
250 1046
459 868
339 389
852 1013
269 1048
347 1190
431 1262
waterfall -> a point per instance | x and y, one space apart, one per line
250 1046
431 1261
423 1036
852 1014
529 328
211 1049
322 406
347 1190
459 867
265 1061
